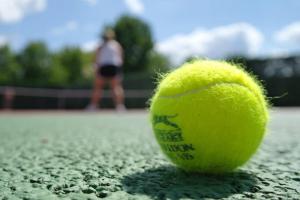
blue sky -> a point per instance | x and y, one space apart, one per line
212 28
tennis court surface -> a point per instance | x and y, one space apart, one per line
73 155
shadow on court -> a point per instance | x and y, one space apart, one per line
170 183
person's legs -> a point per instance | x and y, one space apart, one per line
97 92
118 92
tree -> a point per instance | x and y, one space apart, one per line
72 60
58 75
35 61
158 63
240 60
136 39
9 68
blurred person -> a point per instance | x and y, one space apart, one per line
108 69
9 94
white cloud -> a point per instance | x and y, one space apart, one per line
15 10
3 40
89 46
220 42
91 2
135 6
68 27
289 34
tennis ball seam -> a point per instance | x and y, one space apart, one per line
206 87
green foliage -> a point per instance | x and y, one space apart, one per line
192 59
70 68
9 68
88 69
158 63
58 75
35 61
239 60
136 39
72 61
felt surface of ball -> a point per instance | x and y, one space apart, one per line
209 116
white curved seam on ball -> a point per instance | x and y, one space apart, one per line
205 88
208 87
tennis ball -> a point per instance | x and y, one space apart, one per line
209 116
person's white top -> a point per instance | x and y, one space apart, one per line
110 54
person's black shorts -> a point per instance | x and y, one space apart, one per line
109 71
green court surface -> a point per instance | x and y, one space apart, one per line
57 155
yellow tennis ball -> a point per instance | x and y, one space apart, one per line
209 116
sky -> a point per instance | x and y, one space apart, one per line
181 28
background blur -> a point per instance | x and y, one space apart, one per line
46 47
